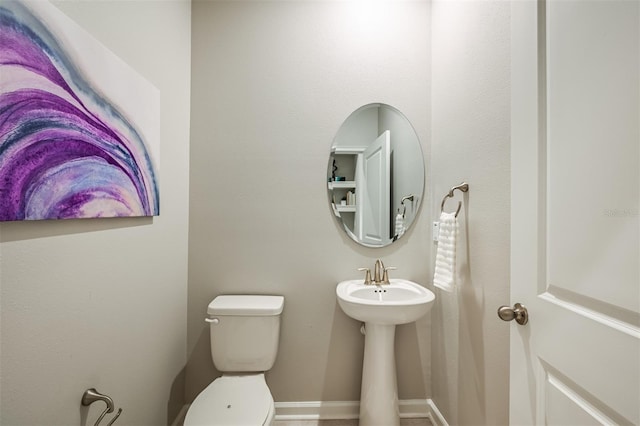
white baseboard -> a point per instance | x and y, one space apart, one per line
317 410
436 417
344 410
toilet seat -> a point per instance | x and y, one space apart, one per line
233 400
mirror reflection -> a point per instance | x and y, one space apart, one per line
375 177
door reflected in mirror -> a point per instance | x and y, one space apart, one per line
375 177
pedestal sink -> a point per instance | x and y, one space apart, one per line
381 308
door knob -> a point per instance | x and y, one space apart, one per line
518 313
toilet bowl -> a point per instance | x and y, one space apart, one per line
245 331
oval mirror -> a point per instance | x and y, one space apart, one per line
375 177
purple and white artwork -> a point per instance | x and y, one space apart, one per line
79 129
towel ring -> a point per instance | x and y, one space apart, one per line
464 187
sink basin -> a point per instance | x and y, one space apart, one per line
400 302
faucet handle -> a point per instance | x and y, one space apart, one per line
367 275
385 276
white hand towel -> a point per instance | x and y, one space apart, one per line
445 270
399 225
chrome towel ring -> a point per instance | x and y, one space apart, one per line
464 187
410 197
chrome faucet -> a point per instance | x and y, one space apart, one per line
380 274
377 270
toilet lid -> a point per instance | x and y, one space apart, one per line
232 400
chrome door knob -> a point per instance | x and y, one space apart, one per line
518 313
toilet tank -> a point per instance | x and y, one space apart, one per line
245 331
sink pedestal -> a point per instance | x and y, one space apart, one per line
379 394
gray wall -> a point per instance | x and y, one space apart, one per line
470 141
273 82
103 302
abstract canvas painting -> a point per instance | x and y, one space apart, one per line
79 128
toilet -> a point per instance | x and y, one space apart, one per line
245 331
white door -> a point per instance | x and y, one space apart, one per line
376 197
575 199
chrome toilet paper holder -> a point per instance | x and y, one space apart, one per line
92 395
